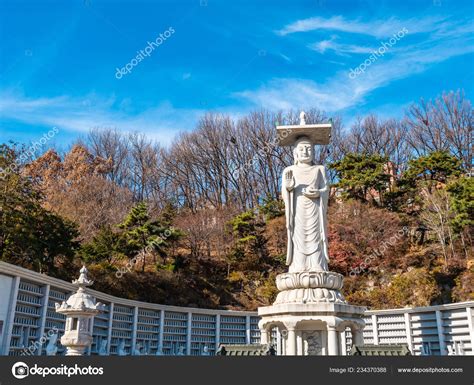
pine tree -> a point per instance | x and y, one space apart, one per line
462 201
272 208
143 235
105 246
436 167
250 242
358 174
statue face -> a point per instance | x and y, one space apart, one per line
304 151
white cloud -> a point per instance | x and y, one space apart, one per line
161 122
376 28
340 91
340 49
286 58
445 38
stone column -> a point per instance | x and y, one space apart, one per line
375 329
279 340
291 342
408 332
284 339
299 343
247 330
134 330
357 337
162 332
342 339
11 316
218 331
439 326
44 311
333 343
265 337
189 332
110 323
470 322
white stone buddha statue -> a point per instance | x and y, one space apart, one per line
305 193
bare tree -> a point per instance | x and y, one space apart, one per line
445 124
436 216
143 164
76 188
374 136
110 144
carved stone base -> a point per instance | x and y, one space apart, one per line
312 328
311 315
309 279
76 345
314 295
309 287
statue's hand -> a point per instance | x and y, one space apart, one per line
289 180
311 192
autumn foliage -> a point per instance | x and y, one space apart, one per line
201 223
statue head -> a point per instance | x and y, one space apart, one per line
304 151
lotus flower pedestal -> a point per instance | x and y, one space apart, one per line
311 315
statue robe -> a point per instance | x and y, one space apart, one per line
306 220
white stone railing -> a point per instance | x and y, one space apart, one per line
428 330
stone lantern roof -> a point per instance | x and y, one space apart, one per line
80 302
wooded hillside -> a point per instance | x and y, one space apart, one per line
200 222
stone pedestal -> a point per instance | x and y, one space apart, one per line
311 315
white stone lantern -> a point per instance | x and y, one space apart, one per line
80 309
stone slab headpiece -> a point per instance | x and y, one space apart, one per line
317 133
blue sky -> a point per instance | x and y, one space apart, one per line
58 61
